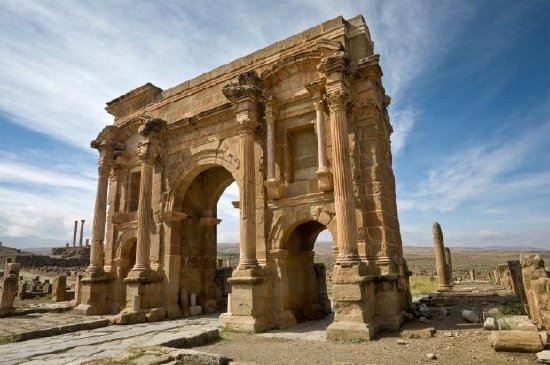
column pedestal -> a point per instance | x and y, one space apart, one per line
249 309
95 295
353 299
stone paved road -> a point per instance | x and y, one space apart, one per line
77 347
37 321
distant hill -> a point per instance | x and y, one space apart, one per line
4 251
484 249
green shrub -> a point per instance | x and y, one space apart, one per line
422 285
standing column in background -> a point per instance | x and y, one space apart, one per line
440 264
81 232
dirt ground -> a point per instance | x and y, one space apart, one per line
455 341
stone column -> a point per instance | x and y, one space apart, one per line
245 96
449 263
149 150
324 176
440 265
81 232
249 306
95 287
353 293
74 233
105 164
274 186
335 68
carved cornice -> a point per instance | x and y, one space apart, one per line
247 87
369 67
172 216
338 62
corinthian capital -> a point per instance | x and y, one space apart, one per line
337 100
246 124
271 108
246 88
149 149
109 147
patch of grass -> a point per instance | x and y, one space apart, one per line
8 339
513 307
422 285
356 340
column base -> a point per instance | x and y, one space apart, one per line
95 294
324 180
351 331
275 189
143 291
231 322
444 288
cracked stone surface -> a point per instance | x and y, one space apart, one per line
78 347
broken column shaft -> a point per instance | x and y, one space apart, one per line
440 264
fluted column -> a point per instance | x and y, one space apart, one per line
245 96
106 162
335 68
149 151
275 188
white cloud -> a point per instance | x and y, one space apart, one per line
15 172
483 234
477 172
62 61
403 121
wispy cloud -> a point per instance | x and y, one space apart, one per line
42 202
477 172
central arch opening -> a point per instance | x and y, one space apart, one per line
308 297
202 275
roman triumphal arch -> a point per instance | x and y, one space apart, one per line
302 127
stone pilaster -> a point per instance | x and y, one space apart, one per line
324 176
171 221
274 185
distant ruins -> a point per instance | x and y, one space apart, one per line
302 127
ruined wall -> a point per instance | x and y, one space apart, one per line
536 281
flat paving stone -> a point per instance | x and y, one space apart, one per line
78 347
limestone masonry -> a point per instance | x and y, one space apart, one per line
302 127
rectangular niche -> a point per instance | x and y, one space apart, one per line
133 191
303 153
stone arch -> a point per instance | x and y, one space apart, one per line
285 224
125 253
201 161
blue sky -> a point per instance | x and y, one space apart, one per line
469 81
